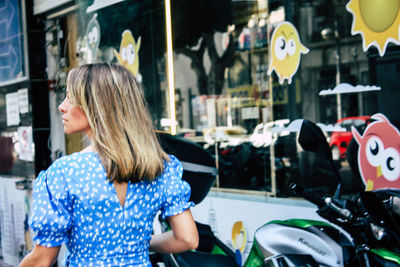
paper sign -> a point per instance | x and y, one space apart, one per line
25 143
12 109
379 154
265 114
250 113
23 101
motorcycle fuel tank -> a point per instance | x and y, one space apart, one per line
299 237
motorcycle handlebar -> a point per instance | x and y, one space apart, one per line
320 201
345 213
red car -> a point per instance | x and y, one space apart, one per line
339 141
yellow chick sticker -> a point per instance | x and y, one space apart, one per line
239 240
377 21
128 55
285 51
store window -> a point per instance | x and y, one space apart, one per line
243 100
12 42
17 149
234 92
131 33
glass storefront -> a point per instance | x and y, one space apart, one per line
132 32
244 72
17 149
239 78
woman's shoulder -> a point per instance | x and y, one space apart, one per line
172 169
172 161
172 164
74 160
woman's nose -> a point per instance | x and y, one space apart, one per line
61 107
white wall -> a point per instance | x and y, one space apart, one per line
221 210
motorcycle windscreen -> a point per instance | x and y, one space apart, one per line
316 170
198 165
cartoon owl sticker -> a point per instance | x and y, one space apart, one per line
285 51
93 38
379 154
128 55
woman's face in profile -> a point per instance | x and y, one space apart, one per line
73 118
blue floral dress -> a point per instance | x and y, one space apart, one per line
75 204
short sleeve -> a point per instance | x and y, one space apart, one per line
177 191
51 215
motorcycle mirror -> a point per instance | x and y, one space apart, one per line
311 138
338 191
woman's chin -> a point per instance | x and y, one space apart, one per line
67 131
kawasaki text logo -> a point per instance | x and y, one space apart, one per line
318 250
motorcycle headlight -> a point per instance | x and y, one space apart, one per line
377 231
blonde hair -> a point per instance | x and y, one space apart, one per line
121 127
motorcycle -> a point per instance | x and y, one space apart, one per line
362 229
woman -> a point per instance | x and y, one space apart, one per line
101 202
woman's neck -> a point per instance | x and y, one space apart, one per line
88 149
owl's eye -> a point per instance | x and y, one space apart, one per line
130 54
280 48
95 34
89 36
291 47
124 53
391 164
374 150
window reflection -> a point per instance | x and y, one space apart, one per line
232 115
226 101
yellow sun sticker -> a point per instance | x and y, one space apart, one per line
377 21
